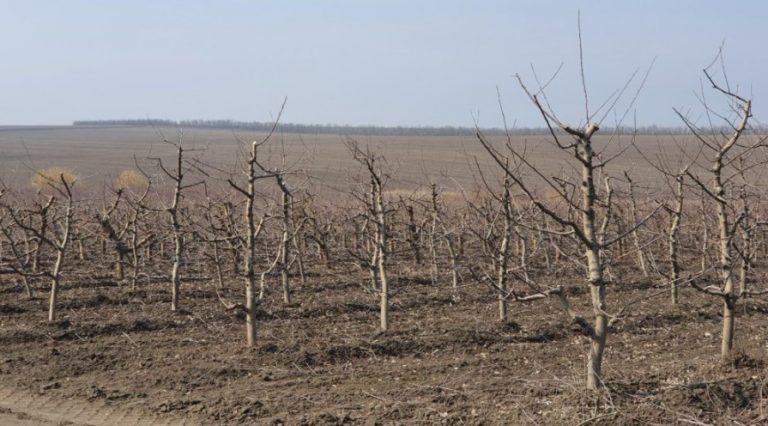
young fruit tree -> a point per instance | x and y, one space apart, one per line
253 173
728 154
58 212
177 174
583 213
674 173
377 214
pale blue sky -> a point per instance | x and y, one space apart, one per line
361 62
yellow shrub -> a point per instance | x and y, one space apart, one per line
52 177
131 179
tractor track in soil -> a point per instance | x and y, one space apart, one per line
21 408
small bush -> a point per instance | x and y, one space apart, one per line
131 179
52 176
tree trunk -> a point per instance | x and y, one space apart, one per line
55 285
674 230
454 262
594 264
503 258
285 245
725 270
382 258
119 273
81 249
61 247
250 254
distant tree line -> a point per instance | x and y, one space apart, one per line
336 129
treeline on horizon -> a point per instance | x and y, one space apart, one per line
372 130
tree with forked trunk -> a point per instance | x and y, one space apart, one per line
376 214
58 183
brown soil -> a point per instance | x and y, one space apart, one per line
320 361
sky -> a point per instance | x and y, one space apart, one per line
365 62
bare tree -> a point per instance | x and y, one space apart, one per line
731 156
496 215
252 231
176 174
115 233
287 219
320 229
252 175
59 183
23 243
674 175
377 214
449 234
581 220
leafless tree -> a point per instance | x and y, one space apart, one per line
253 173
377 215
728 157
59 237
440 230
581 220
177 174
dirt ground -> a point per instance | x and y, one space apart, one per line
118 355
320 361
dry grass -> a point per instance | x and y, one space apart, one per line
131 179
55 176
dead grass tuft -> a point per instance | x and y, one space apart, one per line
52 176
131 179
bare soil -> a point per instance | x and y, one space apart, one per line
123 354
320 361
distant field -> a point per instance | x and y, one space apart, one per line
99 154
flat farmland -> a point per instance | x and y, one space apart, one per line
117 353
99 154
